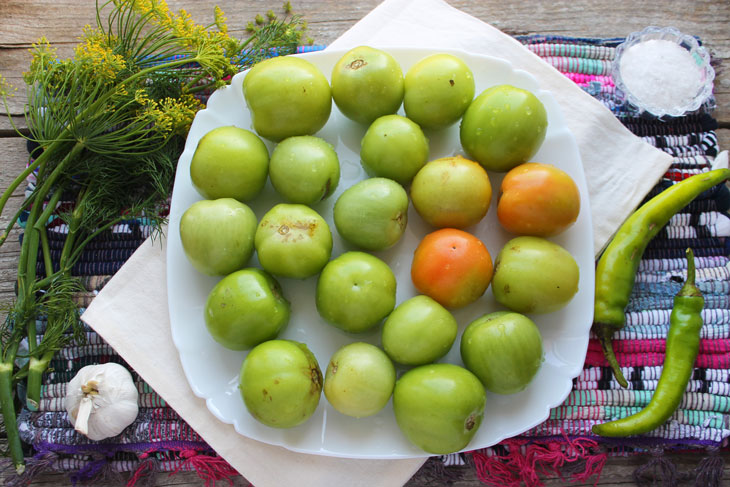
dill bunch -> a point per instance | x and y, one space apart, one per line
110 123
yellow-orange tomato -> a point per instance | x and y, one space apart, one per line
537 199
451 266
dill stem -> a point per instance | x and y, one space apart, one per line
79 248
29 249
29 258
74 255
21 373
42 221
19 180
198 89
41 224
9 419
193 82
36 368
45 246
73 227
28 252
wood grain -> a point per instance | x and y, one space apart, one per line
12 162
23 22
62 22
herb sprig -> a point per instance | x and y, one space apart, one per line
110 122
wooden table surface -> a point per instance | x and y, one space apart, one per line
23 22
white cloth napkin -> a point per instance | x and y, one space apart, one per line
130 313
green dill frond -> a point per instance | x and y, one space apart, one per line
10 334
127 190
284 35
58 305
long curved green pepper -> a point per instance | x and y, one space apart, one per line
683 343
617 266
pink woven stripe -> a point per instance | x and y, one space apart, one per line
582 78
596 358
707 347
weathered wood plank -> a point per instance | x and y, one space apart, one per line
12 163
62 22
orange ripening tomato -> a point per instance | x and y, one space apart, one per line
452 266
537 199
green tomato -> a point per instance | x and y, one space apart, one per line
304 169
229 162
452 192
287 96
281 383
367 83
355 291
359 380
246 308
439 407
503 127
534 275
218 235
372 213
394 147
438 89
419 331
503 349
293 240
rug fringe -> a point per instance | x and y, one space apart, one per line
144 473
523 462
709 471
34 466
209 468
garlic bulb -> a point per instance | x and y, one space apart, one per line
101 400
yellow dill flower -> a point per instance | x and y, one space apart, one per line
157 10
43 56
158 7
96 53
220 20
6 88
181 112
159 121
141 97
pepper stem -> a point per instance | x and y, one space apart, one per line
689 288
605 334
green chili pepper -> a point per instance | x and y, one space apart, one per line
683 343
616 269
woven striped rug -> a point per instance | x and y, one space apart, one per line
159 440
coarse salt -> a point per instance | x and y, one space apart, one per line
660 74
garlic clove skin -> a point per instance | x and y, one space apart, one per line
101 400
86 407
